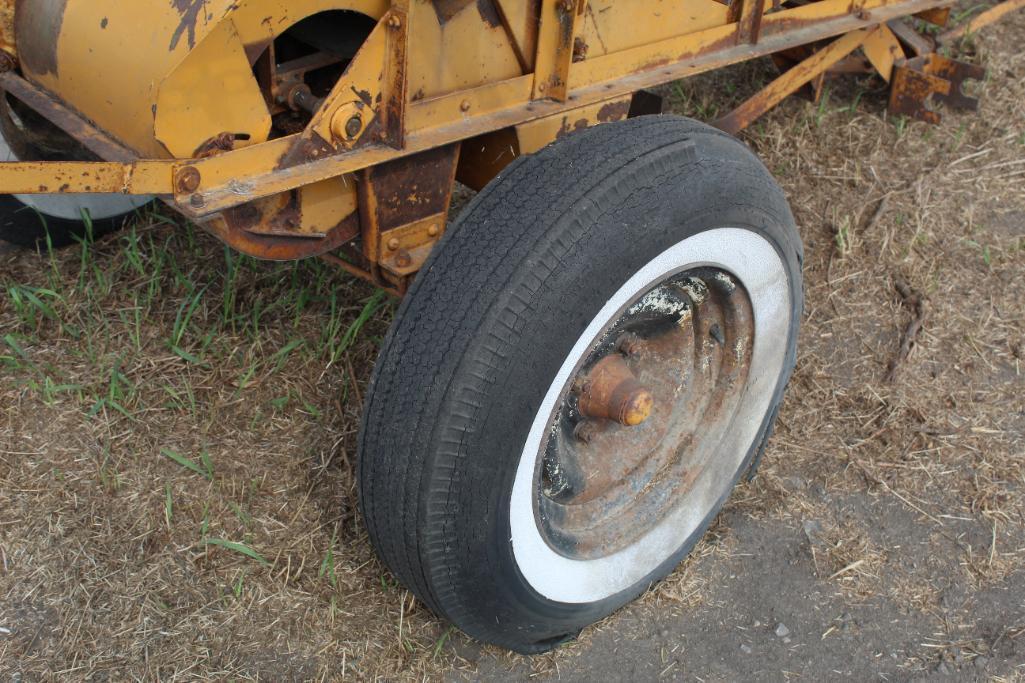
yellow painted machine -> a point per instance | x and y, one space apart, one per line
595 352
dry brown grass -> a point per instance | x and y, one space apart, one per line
106 561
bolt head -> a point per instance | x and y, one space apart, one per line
189 179
464 105
353 126
630 345
394 22
197 201
403 259
585 431
393 243
433 230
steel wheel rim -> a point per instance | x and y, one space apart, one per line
754 264
679 355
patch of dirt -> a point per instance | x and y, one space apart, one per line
177 434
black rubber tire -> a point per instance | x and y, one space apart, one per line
489 321
25 227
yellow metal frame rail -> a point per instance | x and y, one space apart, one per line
202 187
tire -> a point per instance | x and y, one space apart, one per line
26 220
478 381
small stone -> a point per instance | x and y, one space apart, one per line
757 623
812 529
786 641
664 633
746 649
782 631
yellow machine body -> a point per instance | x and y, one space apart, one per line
206 104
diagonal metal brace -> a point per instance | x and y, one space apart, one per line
922 82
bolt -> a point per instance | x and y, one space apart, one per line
394 22
464 105
198 201
433 230
189 179
567 6
393 243
585 431
580 385
630 345
353 126
541 87
403 259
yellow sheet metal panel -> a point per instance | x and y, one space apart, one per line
613 25
108 58
7 42
212 91
455 45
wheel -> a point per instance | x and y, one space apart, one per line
25 220
586 366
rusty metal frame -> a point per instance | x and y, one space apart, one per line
371 122
447 119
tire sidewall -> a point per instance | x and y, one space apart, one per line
610 234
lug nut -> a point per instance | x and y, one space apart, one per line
585 431
630 345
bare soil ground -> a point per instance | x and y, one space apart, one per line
178 425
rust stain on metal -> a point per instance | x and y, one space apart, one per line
614 111
689 343
190 11
611 392
580 48
236 229
931 79
38 28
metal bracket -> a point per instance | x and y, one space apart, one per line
932 78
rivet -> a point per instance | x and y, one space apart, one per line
433 230
465 105
393 243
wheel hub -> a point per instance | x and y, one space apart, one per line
645 413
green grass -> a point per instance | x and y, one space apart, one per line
102 305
